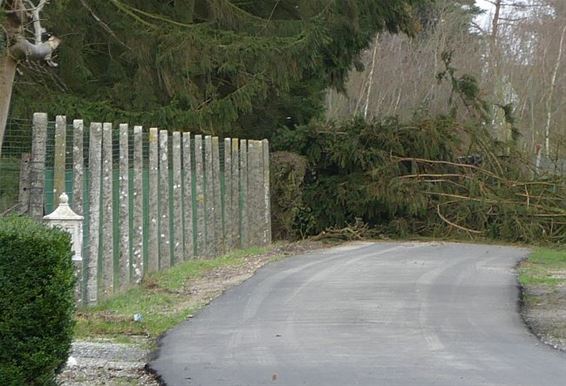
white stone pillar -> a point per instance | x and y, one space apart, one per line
64 218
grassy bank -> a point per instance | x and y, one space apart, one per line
545 267
166 298
543 280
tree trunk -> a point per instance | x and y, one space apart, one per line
7 74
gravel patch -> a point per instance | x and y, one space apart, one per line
107 363
544 312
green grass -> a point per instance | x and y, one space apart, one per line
545 267
162 299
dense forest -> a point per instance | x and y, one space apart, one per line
405 117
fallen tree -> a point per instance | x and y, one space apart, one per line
427 177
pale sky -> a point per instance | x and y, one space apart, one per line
484 4
485 18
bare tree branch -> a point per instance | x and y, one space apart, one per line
36 20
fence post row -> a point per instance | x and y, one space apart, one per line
147 210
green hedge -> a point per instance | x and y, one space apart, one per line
36 302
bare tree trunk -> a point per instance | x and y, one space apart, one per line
370 80
7 74
551 94
495 21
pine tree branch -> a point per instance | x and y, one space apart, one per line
103 24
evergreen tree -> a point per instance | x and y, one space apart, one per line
237 67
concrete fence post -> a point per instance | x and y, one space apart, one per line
208 197
24 188
244 218
153 200
227 199
124 205
266 194
177 195
94 166
218 242
235 195
164 229
107 237
60 153
78 165
37 168
138 233
188 229
199 192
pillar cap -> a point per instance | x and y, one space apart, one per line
63 211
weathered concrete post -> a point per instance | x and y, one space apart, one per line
153 199
65 218
78 165
94 165
244 217
199 192
188 233
266 194
255 194
124 205
60 153
23 197
235 192
177 195
218 243
37 168
227 207
138 231
107 238
164 234
209 196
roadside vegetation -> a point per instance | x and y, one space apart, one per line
37 301
543 280
545 267
166 298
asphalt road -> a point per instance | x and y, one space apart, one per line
373 314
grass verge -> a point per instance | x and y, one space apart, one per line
163 299
543 307
545 267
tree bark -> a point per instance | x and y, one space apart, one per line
7 74
551 95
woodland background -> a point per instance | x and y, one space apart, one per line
406 117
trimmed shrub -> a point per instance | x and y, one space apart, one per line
36 301
287 176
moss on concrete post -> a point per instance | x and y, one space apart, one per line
59 161
200 201
137 206
124 205
94 166
153 200
177 195
37 168
78 166
107 220
188 231
164 233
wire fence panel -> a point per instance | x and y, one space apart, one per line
149 198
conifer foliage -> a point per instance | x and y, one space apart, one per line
238 67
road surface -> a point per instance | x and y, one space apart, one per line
367 314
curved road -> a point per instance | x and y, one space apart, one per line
370 314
